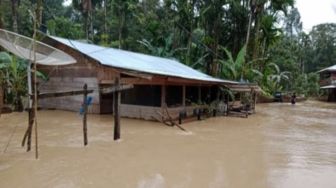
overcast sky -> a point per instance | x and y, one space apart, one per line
314 12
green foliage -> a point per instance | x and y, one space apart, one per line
307 84
72 31
234 69
13 76
323 40
207 35
271 79
165 51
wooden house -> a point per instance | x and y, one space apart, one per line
328 81
156 82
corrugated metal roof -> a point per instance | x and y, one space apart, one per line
139 62
332 68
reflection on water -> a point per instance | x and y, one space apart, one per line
281 146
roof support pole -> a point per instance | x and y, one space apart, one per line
116 101
183 95
163 95
85 108
199 95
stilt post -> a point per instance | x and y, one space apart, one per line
85 107
116 100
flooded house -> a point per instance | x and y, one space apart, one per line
328 81
154 82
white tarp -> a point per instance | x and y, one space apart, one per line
139 62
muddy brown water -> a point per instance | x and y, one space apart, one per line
280 146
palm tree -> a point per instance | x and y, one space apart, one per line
86 8
1 17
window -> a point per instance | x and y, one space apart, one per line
144 95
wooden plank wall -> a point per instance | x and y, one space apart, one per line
148 112
68 78
72 103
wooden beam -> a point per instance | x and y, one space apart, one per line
188 81
116 88
63 93
116 99
138 75
137 81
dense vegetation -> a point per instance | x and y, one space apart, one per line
258 41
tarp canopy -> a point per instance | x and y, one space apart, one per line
22 47
139 62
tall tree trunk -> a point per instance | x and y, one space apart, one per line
1 19
91 24
105 16
1 98
14 15
259 14
251 5
87 13
39 11
86 25
120 27
214 69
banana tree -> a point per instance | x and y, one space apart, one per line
234 69
13 77
166 50
272 79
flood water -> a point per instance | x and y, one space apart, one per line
280 146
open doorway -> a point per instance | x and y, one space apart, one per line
106 101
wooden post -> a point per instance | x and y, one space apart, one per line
199 95
180 118
254 101
85 107
27 135
163 95
227 104
116 101
1 99
214 112
30 128
183 95
199 114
